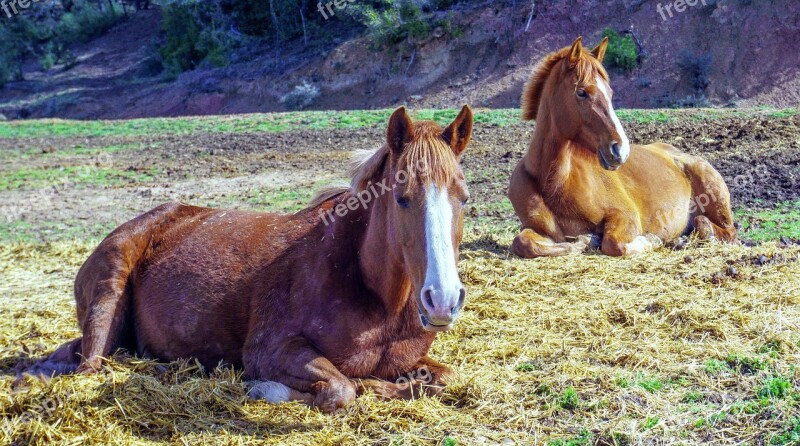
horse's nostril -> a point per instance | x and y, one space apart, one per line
462 294
428 299
615 150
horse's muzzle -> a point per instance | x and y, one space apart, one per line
613 156
438 311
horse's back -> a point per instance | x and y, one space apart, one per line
188 273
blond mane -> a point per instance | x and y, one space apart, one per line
426 159
585 69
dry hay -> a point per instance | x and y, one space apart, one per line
669 348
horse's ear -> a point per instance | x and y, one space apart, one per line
599 52
400 132
575 52
458 133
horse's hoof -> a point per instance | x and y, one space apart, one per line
330 397
654 240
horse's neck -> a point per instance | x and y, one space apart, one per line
548 157
381 268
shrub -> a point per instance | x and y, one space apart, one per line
46 32
696 67
10 55
85 22
622 52
301 97
196 32
390 22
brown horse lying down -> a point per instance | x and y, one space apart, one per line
316 306
564 197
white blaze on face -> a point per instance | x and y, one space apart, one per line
624 145
441 275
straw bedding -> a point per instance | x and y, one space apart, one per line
677 347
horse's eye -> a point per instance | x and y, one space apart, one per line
581 93
402 202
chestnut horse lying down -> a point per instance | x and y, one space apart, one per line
581 180
316 306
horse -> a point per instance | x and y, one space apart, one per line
318 306
582 183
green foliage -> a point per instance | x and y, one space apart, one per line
196 32
715 367
525 367
651 384
650 423
584 438
46 33
622 52
85 22
744 364
693 397
449 441
776 387
569 399
255 17
11 53
789 437
391 22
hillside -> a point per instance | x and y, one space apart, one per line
743 52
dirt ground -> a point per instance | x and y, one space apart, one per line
759 158
691 346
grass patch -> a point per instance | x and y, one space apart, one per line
317 120
775 387
449 441
650 384
649 423
267 122
582 439
569 399
789 437
75 176
283 199
746 365
20 231
525 367
781 221
715 367
693 397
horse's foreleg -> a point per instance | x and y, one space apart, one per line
540 229
428 377
622 236
302 371
530 244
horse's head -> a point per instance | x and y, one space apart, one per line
426 211
574 87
